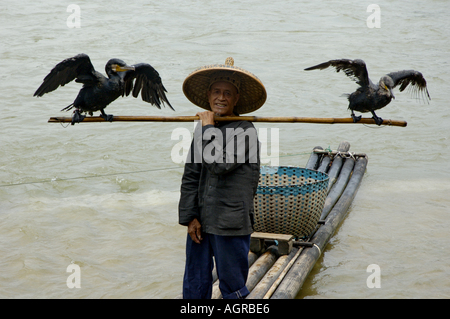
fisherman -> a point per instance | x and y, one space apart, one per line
220 179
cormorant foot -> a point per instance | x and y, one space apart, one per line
356 118
378 120
77 117
107 117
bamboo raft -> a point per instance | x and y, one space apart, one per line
278 263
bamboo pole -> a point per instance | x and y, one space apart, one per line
273 275
334 172
324 164
336 166
261 266
314 159
338 188
280 278
274 119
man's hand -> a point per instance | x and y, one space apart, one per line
194 230
206 117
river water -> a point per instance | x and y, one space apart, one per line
104 196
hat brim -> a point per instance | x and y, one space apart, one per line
252 93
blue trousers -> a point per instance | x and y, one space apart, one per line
231 257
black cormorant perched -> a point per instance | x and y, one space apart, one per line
98 91
369 96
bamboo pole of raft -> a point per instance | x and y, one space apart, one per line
314 159
336 166
324 163
317 160
273 275
297 275
336 191
275 119
261 267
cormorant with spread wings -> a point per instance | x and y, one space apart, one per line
369 97
99 91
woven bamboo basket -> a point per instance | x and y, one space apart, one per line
289 200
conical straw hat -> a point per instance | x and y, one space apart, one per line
252 93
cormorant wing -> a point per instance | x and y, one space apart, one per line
355 69
79 67
148 82
405 77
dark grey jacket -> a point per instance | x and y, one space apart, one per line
220 179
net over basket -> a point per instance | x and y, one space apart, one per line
289 200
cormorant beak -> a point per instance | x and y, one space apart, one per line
390 90
118 68
392 93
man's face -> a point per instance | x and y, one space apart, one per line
223 97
